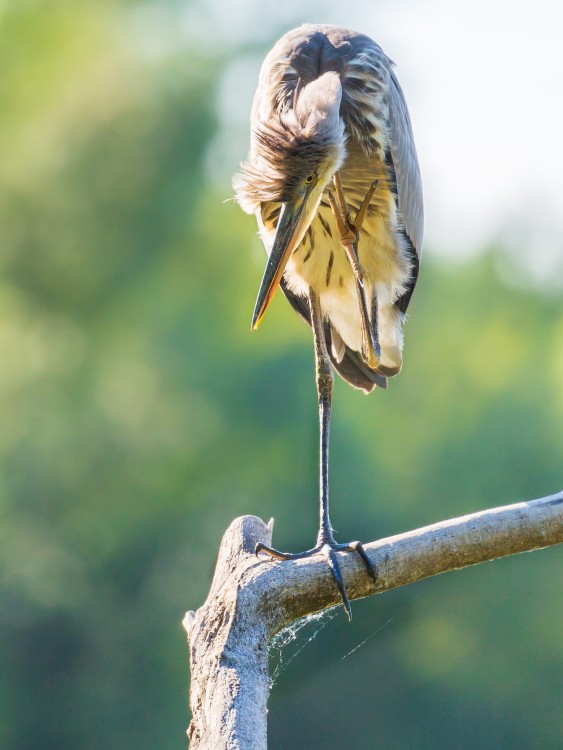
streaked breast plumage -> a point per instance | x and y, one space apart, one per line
359 125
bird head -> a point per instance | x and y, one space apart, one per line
294 155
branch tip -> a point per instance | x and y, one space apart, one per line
188 621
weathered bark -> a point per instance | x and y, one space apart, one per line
251 599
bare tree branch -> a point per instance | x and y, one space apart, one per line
250 600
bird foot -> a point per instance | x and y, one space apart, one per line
348 228
328 550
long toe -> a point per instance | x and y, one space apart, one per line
271 552
359 548
277 555
332 559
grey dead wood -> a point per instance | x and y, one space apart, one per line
251 600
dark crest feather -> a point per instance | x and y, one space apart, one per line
284 156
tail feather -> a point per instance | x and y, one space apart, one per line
355 371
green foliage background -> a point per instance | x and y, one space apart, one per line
139 416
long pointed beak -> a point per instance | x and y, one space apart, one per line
293 222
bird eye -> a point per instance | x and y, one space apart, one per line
310 179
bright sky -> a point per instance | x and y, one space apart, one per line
484 84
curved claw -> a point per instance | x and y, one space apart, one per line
359 548
334 565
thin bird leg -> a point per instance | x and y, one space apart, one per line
359 220
326 544
349 231
375 322
324 380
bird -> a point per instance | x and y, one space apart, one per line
333 179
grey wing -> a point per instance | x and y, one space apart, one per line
405 162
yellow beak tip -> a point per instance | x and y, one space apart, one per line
256 321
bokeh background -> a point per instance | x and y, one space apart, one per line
139 416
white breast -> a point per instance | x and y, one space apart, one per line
320 262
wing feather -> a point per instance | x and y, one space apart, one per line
405 162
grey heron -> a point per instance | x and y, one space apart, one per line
333 180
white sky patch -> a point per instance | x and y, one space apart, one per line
483 82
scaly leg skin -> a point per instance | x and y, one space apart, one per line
326 544
349 232
375 323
